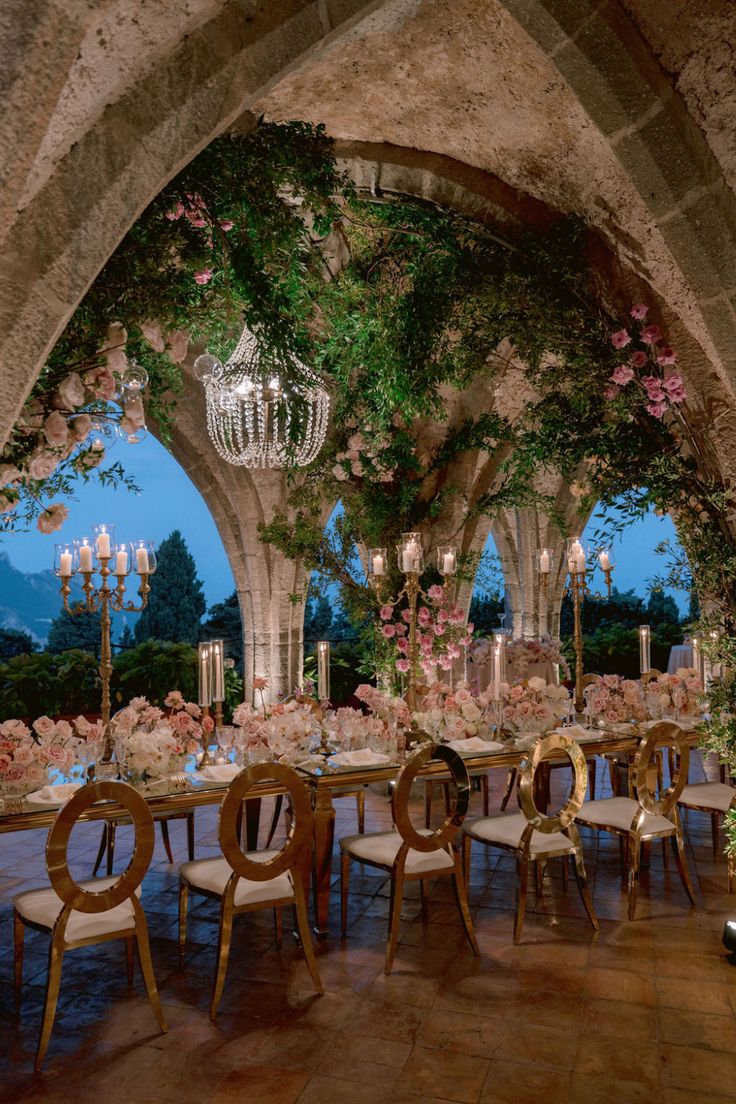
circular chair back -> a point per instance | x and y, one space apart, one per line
546 747
444 835
72 894
645 773
649 675
300 832
589 680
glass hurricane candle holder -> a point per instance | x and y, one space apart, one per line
83 555
144 557
605 559
121 563
104 538
410 554
447 559
64 561
576 557
377 562
546 557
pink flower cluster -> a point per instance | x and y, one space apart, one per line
150 741
441 633
521 654
394 711
27 754
674 695
615 699
660 391
454 714
533 705
194 210
362 458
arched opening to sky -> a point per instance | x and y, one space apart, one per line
167 500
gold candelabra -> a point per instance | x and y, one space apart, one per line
103 597
577 589
411 563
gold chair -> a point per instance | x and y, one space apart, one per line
716 798
535 837
78 914
479 776
107 839
642 816
411 855
247 881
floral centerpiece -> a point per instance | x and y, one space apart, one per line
615 699
392 710
286 729
533 705
521 654
675 695
150 743
28 754
453 714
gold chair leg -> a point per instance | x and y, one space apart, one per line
278 926
129 951
56 955
394 922
111 830
344 888
100 851
582 882
461 897
634 864
681 860
522 871
360 800
731 872
302 922
144 958
190 836
167 842
427 803
19 932
485 789
223 951
510 780
467 844
183 906
423 898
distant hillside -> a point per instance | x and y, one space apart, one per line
30 601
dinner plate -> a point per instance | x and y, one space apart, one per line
378 763
39 802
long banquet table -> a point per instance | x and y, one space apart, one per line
322 782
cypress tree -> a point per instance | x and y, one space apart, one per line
176 602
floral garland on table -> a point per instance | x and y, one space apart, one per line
533 705
150 743
680 693
441 633
27 754
521 654
615 698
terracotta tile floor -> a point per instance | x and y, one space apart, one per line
638 1012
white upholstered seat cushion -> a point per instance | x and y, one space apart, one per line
42 906
708 795
382 848
619 812
507 831
214 874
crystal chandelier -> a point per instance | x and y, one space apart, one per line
255 421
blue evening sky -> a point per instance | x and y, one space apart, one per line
169 500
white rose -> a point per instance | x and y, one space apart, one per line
9 474
535 684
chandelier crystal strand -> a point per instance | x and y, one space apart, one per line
249 414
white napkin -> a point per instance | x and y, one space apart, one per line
475 743
363 757
221 772
582 735
55 794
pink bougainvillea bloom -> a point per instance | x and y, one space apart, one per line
611 392
402 665
656 409
388 631
386 613
622 375
639 311
620 339
650 335
226 224
203 276
639 359
666 355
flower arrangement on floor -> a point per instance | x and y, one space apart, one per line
28 754
675 695
615 699
521 654
533 705
150 743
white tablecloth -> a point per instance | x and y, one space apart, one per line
681 655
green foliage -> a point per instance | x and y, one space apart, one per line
127 640
176 602
152 669
14 642
485 614
75 630
225 623
318 619
44 683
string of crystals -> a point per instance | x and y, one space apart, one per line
250 413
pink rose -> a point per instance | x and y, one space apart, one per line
673 382
208 724
401 628
81 427
203 276
152 332
656 409
174 699
666 355
55 429
622 375
70 393
24 755
650 335
5 762
9 475
63 730
44 726
102 382
55 753
435 592
178 343
620 339
15 773
52 518
388 631
406 615
386 613
677 396
226 224
639 359
639 312
402 665
43 464
611 392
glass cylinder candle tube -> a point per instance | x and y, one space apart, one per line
144 557
576 558
323 670
217 670
205 691
447 559
411 557
645 660
121 559
545 561
377 562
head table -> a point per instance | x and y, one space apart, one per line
165 798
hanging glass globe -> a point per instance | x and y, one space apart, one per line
205 366
253 419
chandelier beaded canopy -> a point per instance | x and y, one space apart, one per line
256 419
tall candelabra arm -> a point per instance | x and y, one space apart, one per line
118 603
